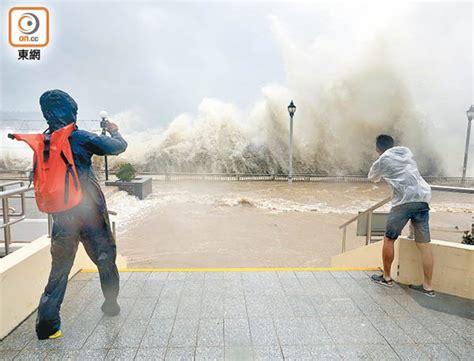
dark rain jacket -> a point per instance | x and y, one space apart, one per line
59 110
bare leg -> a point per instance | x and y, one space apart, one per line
388 252
427 262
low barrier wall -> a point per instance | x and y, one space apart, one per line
453 272
23 276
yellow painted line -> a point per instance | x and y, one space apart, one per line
250 269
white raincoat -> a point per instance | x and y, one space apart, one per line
397 167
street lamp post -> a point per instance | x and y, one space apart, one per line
291 111
470 115
103 124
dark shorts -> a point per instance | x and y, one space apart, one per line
418 213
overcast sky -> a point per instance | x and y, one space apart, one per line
159 59
155 58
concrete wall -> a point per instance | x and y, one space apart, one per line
23 276
367 256
453 272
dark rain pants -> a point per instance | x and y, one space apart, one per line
89 223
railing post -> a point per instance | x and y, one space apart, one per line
50 225
369 229
114 230
6 229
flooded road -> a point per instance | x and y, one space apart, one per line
258 224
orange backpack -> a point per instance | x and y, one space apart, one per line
57 186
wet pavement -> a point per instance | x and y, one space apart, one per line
251 315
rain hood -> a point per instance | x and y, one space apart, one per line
59 109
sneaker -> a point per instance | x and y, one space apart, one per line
110 308
55 335
420 288
381 280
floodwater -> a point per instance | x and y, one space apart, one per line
258 224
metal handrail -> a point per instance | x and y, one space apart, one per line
20 192
371 209
369 212
5 195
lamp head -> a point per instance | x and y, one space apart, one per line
291 109
470 113
103 114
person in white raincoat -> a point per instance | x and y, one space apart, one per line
411 196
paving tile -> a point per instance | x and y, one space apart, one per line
291 352
103 337
440 330
139 276
131 290
234 287
213 275
358 330
193 288
279 307
184 333
166 307
267 353
438 352
172 289
324 352
189 307
263 332
257 306
131 334
462 350
150 353
323 274
416 331
32 355
301 331
358 274
176 276
180 354
125 354
233 275
409 352
234 307
391 331
152 288
381 352
211 332
212 306
91 355
8 355
214 286
209 353
161 276
19 338
292 286
233 316
195 276
157 333
143 308
286 275
342 306
237 332
340 274
238 353
353 352
304 274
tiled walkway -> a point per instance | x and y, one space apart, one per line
261 316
